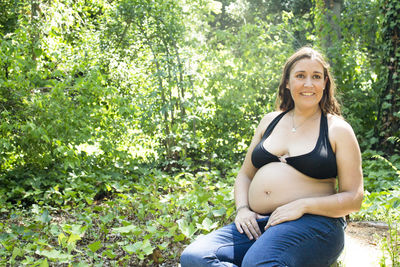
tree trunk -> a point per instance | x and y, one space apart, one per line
34 30
389 109
180 82
332 16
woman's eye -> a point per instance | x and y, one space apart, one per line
300 76
317 76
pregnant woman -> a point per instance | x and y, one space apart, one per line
301 174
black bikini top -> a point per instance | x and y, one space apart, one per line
320 163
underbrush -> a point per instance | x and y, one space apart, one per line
145 217
140 221
382 201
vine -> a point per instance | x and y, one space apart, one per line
389 106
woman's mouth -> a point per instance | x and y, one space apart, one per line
307 94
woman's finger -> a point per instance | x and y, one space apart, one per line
247 231
253 232
239 227
275 221
255 229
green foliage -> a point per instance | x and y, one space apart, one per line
389 109
382 200
134 224
122 123
382 186
391 242
381 174
8 16
384 206
61 119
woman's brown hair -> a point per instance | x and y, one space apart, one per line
328 103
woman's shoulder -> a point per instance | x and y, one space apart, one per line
337 122
271 115
339 128
266 120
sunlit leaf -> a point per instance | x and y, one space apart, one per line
127 229
44 263
55 255
95 246
109 253
207 224
73 238
133 248
187 229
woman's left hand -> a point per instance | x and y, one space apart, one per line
288 212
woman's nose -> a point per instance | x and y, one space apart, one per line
308 82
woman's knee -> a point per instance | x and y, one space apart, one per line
267 253
192 257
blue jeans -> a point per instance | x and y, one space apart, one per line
311 240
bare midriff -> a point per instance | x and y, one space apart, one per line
278 183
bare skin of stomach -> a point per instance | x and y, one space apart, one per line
277 184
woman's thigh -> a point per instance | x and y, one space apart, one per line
312 240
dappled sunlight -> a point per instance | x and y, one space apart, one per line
124 123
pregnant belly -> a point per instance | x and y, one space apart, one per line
276 184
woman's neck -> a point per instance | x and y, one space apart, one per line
305 113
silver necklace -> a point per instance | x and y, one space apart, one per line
294 128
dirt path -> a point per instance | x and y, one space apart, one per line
362 247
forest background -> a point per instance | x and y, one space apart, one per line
123 123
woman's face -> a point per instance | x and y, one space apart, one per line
306 82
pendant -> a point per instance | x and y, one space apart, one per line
293 130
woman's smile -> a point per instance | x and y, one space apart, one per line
307 94
306 80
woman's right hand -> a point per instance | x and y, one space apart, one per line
246 221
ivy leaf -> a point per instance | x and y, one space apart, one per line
220 212
45 218
17 252
55 255
110 254
163 246
73 238
132 248
62 239
207 225
127 229
44 263
147 248
89 200
95 246
187 229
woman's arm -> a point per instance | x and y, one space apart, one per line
243 179
350 176
350 182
